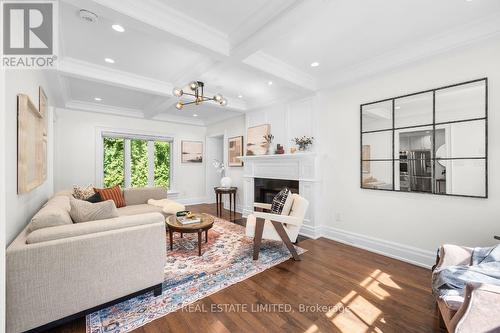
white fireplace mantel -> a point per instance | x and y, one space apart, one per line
302 167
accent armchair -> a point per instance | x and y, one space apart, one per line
478 310
277 227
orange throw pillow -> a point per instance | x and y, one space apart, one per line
114 193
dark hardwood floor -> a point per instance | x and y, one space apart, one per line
374 294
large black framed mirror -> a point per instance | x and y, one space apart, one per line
433 141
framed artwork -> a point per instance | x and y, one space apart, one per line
31 146
256 144
235 146
366 158
192 152
42 108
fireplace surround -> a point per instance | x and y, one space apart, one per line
298 171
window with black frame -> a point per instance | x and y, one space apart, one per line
433 141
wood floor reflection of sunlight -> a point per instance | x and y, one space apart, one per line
376 282
360 315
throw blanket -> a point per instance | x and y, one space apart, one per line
169 206
484 268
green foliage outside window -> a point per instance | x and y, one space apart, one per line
162 163
114 162
139 163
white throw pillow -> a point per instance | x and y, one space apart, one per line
173 207
84 211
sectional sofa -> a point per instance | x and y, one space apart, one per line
60 272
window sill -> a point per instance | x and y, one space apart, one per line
173 193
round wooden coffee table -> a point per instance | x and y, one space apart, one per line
173 225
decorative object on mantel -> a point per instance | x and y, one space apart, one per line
303 142
199 97
269 139
256 142
32 142
192 152
225 182
235 147
293 150
279 149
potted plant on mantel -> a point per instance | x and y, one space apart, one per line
303 142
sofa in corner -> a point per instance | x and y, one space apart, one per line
56 273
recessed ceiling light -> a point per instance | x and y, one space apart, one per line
118 28
195 115
270 83
315 64
240 96
109 60
98 99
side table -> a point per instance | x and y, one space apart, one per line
219 191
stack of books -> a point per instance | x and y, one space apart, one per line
188 220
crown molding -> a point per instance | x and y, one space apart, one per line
89 71
257 21
103 108
280 69
75 105
463 36
160 16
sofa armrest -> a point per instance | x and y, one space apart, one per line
51 280
452 255
86 228
480 311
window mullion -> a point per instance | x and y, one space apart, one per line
151 163
128 173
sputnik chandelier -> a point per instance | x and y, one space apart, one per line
199 97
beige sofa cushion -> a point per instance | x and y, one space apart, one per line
141 195
84 211
140 209
55 212
66 231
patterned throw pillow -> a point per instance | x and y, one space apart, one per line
95 198
279 201
83 192
84 211
114 193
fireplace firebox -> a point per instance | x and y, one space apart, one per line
265 189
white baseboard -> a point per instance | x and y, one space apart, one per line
412 255
192 201
308 231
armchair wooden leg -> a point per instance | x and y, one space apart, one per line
284 236
259 227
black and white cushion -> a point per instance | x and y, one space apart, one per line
280 200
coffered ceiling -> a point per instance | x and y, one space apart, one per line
239 47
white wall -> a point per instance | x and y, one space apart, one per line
230 128
3 128
294 119
75 152
406 225
21 208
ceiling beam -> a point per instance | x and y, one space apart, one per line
85 70
280 69
158 15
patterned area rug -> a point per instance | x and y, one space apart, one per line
226 260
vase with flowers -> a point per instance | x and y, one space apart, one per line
269 139
303 142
